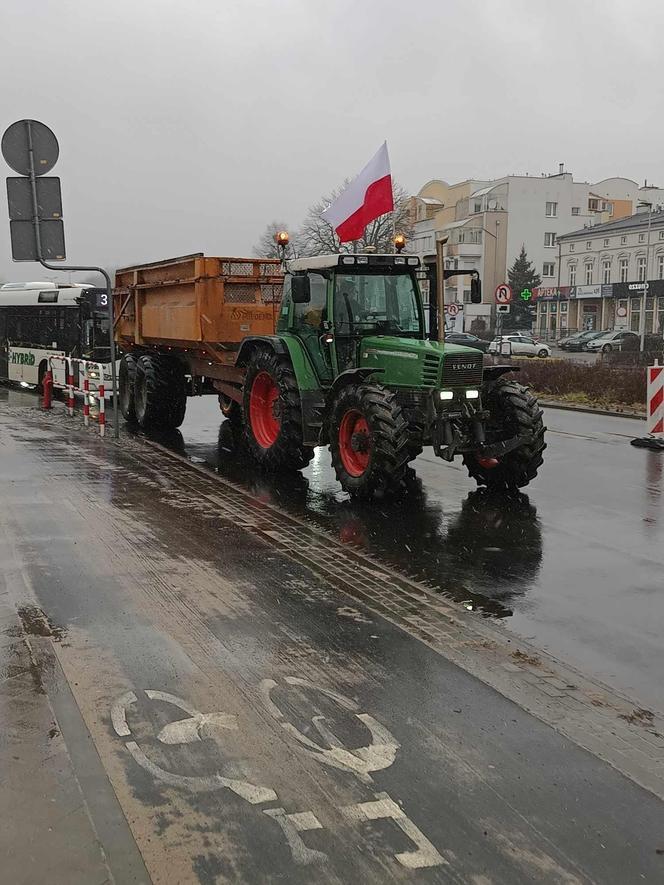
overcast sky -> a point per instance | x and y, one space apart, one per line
188 126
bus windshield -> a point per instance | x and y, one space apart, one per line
377 303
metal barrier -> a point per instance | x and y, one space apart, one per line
85 366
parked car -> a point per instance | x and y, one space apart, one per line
467 339
521 346
609 341
575 343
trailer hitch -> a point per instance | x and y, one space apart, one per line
499 449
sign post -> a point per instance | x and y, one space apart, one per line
503 297
35 213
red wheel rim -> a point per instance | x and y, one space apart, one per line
265 424
354 442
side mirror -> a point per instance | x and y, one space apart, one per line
301 289
475 290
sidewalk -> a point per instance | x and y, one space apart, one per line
46 833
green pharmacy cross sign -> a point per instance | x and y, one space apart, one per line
526 294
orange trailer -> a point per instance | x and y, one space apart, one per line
206 305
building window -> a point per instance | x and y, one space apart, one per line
589 244
660 267
606 271
641 269
606 242
623 266
548 269
642 238
572 275
589 274
609 208
576 210
623 240
572 247
551 210
549 239
478 207
661 234
593 205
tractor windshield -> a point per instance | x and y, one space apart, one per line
377 304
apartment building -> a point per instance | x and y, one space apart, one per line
605 271
486 223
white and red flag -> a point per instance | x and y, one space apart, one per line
364 199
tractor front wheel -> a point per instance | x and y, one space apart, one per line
273 414
369 440
513 411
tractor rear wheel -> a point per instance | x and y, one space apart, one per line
513 411
126 377
369 440
160 392
273 414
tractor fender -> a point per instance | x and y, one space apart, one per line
350 376
272 342
492 373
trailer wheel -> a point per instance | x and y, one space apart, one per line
160 392
273 414
126 378
513 411
369 440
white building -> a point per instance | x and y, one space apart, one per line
487 222
605 271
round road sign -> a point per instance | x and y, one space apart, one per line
453 309
16 152
622 312
503 294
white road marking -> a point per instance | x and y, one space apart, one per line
383 807
119 714
376 756
252 793
293 825
197 728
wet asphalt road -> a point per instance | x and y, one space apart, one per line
576 563
253 725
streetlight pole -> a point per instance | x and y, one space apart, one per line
642 318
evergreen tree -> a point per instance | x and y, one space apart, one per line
522 276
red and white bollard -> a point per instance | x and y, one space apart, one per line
47 390
654 410
102 410
86 401
69 368
655 401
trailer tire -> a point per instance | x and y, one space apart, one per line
369 440
273 413
514 411
126 378
160 393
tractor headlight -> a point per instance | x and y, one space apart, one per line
446 394
472 394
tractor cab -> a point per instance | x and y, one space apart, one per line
342 306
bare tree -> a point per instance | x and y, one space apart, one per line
316 237
266 247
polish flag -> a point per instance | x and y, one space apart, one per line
366 197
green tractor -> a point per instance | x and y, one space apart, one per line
351 366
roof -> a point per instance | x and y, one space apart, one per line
632 222
318 262
483 191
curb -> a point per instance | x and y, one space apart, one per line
588 410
